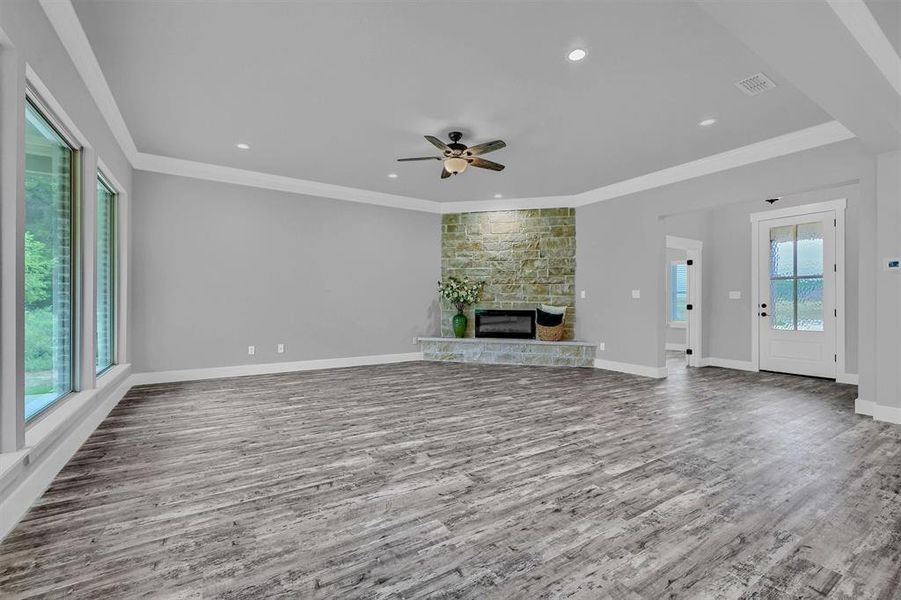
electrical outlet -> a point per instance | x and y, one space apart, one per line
251 350
582 294
280 348
636 293
601 346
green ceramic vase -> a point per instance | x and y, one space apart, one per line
459 322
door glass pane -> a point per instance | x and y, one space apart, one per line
782 251
810 304
810 249
782 297
104 256
48 264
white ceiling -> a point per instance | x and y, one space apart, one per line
888 14
336 91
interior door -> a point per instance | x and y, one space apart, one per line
796 304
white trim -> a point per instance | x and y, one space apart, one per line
52 110
889 414
269 368
65 21
849 378
681 243
864 407
630 368
797 211
209 172
837 207
728 363
857 18
789 143
51 443
673 346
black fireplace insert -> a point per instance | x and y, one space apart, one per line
495 323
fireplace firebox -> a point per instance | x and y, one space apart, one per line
496 323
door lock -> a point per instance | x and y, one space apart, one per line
763 305
763 314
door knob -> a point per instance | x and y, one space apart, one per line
763 305
763 314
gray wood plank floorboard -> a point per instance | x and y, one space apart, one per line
440 480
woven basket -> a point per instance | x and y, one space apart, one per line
550 334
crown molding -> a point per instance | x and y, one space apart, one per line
65 21
790 143
857 18
210 172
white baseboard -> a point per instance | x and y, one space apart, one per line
889 414
268 368
864 407
849 378
40 462
728 363
676 347
632 369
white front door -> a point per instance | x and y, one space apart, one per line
796 303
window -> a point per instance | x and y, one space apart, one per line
49 315
105 296
796 277
678 292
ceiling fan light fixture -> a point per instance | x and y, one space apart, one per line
455 165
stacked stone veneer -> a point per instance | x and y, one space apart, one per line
527 257
509 352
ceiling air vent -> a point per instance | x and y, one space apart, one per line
755 84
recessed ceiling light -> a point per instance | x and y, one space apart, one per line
498 195
707 122
243 146
392 175
577 55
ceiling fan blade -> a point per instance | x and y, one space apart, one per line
419 158
445 174
485 164
437 143
485 148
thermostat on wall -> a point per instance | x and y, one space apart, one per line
893 264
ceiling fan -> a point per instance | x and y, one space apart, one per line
457 156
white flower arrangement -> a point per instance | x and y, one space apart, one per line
460 292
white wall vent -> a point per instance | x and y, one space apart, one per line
755 84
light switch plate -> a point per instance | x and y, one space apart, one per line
602 346
735 295
636 293
582 294
251 350
280 348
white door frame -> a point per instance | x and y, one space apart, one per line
838 206
693 252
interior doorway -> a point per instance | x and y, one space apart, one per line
683 301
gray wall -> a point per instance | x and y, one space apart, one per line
632 230
219 267
726 233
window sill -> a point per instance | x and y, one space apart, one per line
42 436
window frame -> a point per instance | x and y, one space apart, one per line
33 98
106 181
671 294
